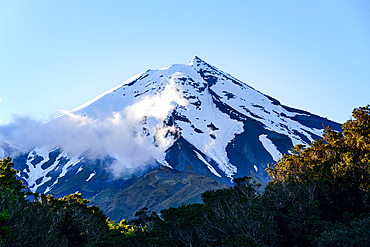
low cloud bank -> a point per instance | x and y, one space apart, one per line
135 137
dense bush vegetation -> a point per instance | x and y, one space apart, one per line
45 220
317 196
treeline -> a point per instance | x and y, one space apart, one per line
317 196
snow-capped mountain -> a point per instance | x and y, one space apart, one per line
190 118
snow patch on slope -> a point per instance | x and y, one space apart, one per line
270 147
213 143
36 175
75 160
79 169
90 177
207 164
254 104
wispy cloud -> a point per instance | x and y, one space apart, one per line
134 137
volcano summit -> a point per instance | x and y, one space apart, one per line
160 139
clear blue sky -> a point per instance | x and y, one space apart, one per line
311 55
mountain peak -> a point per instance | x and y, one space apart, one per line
196 61
192 118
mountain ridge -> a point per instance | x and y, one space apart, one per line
194 119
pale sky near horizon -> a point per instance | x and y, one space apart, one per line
57 55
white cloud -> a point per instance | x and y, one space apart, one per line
135 137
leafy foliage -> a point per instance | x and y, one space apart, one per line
7 176
45 221
353 233
323 183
